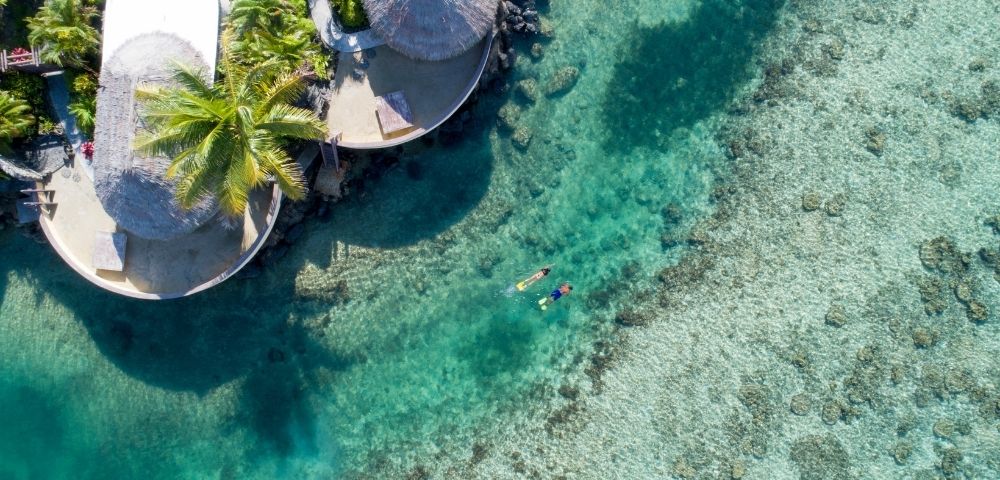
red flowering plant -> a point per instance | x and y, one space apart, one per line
88 149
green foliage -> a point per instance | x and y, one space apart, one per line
84 104
351 12
13 31
30 89
64 31
15 119
227 139
277 30
3 3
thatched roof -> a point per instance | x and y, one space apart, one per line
431 29
44 155
133 189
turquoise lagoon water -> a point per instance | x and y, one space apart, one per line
385 339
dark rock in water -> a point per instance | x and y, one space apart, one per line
508 116
951 461
978 65
901 452
522 137
511 8
800 404
942 255
295 233
632 318
569 392
832 412
537 51
820 457
870 14
976 311
562 81
875 141
834 207
934 294
275 355
357 74
924 338
994 223
811 201
756 399
671 214
528 88
836 316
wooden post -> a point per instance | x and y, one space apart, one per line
35 56
3 61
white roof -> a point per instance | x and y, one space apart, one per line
196 21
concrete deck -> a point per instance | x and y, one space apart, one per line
434 91
153 269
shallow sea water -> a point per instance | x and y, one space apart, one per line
386 341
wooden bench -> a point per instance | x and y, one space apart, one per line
393 113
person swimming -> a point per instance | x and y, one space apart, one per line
556 294
524 284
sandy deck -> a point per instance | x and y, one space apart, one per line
434 90
153 269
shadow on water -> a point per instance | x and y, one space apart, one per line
421 195
674 75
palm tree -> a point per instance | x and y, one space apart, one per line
226 139
63 31
275 29
15 119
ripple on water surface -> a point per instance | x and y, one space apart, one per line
386 336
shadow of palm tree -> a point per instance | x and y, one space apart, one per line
674 75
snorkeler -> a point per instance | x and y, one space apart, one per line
524 284
556 294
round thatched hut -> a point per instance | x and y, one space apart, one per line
134 189
431 29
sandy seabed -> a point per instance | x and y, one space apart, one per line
839 316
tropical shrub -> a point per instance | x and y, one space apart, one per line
227 139
351 12
64 32
84 104
15 119
31 90
277 30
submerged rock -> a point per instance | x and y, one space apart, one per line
562 81
633 318
875 141
924 338
836 316
811 201
834 207
522 137
819 456
800 404
528 88
508 116
901 452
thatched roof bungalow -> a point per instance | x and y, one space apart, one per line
431 29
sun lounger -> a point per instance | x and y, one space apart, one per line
109 251
393 113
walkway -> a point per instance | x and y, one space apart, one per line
332 34
59 96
